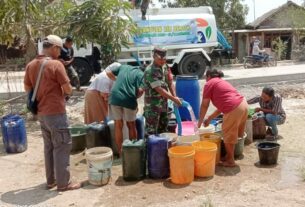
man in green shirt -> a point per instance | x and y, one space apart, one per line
127 88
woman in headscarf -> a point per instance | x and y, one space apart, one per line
96 96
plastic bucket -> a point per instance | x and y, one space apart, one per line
187 128
99 163
214 138
172 137
206 130
205 157
181 160
172 125
187 140
268 153
239 147
78 133
249 131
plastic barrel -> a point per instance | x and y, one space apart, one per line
134 160
98 135
187 88
99 163
181 159
239 147
157 157
249 131
112 135
268 153
205 157
214 138
14 134
140 126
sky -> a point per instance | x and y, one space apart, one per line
263 6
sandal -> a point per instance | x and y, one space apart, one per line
70 186
50 186
226 164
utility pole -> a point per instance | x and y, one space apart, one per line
254 9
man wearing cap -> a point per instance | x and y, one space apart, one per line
54 85
67 57
159 88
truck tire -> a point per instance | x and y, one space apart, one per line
192 64
83 69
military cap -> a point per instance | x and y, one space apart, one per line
160 51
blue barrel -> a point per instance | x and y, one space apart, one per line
140 126
157 157
187 87
14 134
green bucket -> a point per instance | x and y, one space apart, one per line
78 133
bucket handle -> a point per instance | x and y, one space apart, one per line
104 171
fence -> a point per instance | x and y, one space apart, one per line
11 88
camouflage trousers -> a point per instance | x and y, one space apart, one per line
73 76
155 122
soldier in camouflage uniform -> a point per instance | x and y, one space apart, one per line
158 89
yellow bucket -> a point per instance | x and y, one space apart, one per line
205 158
181 160
215 138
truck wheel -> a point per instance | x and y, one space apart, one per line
192 64
83 69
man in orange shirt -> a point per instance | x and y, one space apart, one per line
54 85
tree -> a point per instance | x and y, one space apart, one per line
29 19
96 21
230 14
101 22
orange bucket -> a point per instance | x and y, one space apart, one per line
205 157
181 160
215 138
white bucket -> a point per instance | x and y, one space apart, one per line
99 163
173 138
207 130
187 140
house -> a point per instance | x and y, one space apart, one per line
284 24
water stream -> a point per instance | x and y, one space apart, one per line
193 117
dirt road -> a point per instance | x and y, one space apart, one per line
22 181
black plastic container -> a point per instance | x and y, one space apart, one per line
268 153
98 135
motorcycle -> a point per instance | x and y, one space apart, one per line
253 61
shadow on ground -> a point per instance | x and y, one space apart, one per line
227 171
28 196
